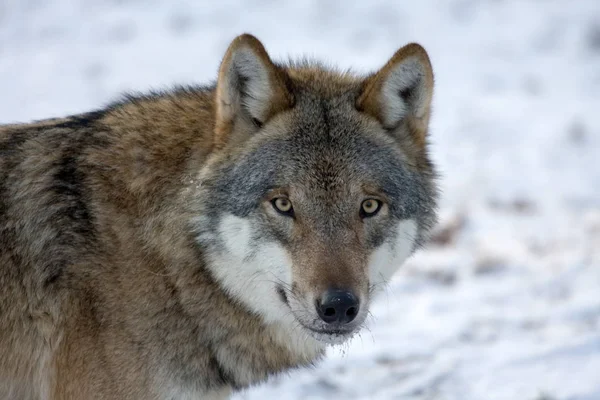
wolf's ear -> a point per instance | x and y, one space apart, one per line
250 88
399 95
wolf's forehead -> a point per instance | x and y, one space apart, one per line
332 141
331 158
324 140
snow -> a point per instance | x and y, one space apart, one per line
505 303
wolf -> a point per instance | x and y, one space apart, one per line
190 243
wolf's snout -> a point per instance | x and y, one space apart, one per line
338 306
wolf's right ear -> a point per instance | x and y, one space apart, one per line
250 89
399 95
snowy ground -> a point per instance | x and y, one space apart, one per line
505 304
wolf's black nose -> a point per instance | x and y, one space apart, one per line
337 306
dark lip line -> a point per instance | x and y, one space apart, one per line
324 332
283 295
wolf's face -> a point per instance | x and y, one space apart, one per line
315 201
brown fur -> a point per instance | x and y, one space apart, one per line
102 288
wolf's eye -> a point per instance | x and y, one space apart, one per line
283 205
369 208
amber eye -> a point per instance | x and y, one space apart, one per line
369 208
283 205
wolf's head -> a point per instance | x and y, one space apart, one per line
320 186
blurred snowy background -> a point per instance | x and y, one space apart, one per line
505 302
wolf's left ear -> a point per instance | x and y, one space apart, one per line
399 95
250 89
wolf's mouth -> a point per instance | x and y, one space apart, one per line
329 336
335 332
